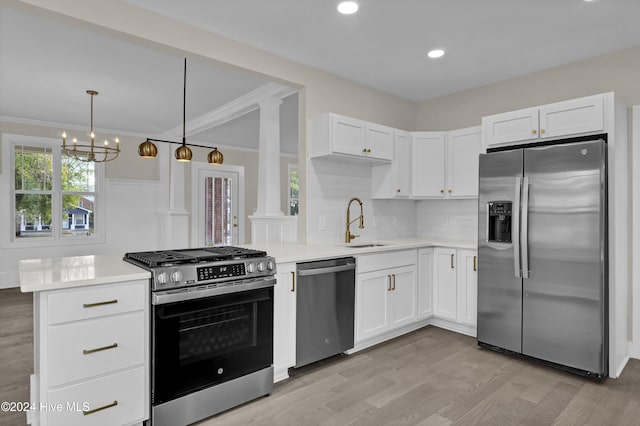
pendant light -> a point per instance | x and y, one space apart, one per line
147 149
90 152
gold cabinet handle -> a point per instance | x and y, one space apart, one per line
442 191
475 263
369 150
450 191
398 190
91 305
394 281
533 132
389 283
364 149
95 410
452 262
542 131
293 281
104 348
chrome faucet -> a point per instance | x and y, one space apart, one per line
348 235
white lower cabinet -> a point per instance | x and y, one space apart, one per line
445 291
92 355
284 320
386 287
455 289
467 282
425 282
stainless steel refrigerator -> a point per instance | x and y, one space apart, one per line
542 255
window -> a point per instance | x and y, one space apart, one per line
53 196
293 190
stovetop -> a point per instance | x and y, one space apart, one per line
154 259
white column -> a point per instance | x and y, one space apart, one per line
268 224
269 159
176 224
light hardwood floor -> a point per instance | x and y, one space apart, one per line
428 377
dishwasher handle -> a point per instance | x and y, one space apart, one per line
329 270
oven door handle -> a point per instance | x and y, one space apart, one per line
165 297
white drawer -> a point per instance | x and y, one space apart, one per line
84 303
67 342
127 388
386 260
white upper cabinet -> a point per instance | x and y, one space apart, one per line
428 164
394 180
445 164
569 118
402 164
463 150
350 138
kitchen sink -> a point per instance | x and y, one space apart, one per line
365 245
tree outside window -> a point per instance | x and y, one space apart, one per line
54 195
294 187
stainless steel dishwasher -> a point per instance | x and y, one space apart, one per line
324 309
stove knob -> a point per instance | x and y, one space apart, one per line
162 278
260 266
270 265
176 276
251 268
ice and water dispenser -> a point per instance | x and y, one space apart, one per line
500 221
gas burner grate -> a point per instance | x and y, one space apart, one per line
233 252
153 259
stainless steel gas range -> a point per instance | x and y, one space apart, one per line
211 330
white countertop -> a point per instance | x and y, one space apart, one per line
76 271
285 253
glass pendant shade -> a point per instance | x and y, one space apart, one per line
215 157
183 153
147 150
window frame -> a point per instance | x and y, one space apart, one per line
291 167
8 191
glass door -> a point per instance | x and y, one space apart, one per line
217 204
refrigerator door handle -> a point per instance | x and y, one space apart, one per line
525 228
516 229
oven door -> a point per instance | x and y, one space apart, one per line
202 342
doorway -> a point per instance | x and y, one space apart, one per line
217 205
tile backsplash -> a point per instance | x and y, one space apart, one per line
330 186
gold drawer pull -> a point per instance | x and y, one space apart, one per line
533 132
104 348
91 305
451 261
293 282
475 263
542 131
398 190
95 410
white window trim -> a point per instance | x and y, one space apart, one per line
289 168
7 224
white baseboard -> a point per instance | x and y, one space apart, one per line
469 330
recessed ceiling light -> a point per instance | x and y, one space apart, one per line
435 53
348 7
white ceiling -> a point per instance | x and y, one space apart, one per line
384 45
47 64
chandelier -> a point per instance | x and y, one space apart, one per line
90 152
148 149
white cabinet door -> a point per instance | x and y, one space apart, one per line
511 126
582 115
372 308
428 153
425 282
467 287
463 150
347 135
378 141
403 296
445 288
284 318
402 164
